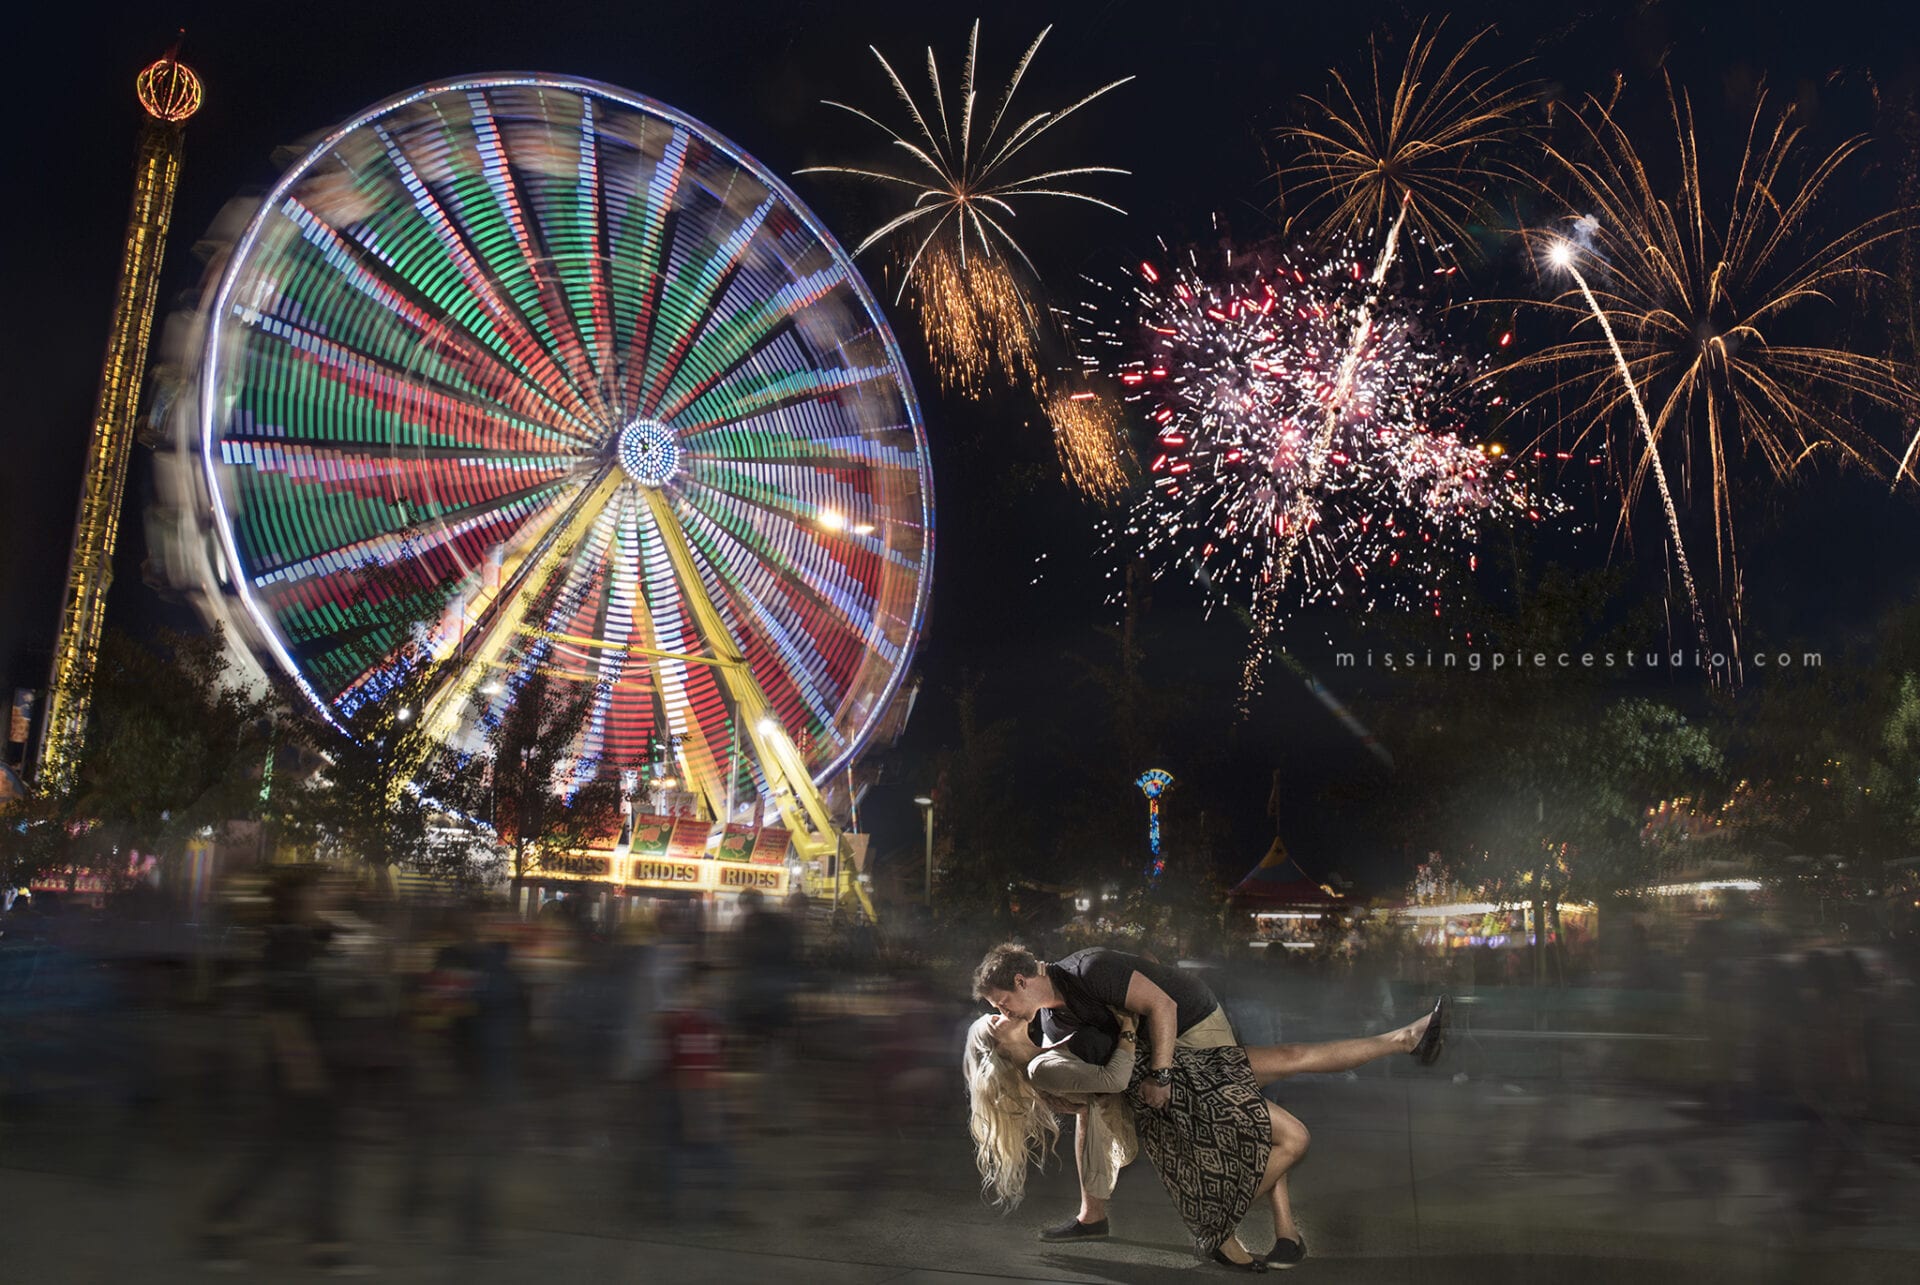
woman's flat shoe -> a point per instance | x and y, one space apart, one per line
1433 1042
1251 1265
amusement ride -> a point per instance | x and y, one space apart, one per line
597 389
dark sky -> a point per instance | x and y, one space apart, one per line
1214 79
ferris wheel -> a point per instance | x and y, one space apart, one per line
595 385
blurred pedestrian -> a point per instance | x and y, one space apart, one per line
305 1064
693 1102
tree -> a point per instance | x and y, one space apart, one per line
390 792
985 840
1559 815
1829 758
1535 782
529 748
174 747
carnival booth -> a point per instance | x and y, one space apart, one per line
1282 907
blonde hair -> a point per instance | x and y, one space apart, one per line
1011 1126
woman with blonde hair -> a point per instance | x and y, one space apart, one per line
1015 1100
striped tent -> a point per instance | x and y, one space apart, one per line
1280 882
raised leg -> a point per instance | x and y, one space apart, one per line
1278 1061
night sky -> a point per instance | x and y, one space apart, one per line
1195 129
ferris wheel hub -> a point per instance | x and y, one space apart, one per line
649 452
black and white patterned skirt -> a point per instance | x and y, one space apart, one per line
1210 1143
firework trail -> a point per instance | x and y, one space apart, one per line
1698 301
967 174
1090 437
1562 256
1422 151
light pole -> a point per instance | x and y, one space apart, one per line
926 809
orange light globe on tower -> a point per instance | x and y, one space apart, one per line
169 90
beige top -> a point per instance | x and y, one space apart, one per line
1108 1142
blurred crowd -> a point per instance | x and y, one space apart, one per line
670 1063
318 1056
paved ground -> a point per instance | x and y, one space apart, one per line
1411 1180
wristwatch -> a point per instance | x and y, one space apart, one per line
1127 1036
1161 1075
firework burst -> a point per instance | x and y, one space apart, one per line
1417 158
966 175
1419 153
1696 316
986 325
1090 437
1235 369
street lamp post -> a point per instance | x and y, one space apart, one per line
926 809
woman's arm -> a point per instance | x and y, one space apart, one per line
1058 1071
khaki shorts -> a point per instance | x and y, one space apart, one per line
1213 1031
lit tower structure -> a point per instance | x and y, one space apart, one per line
170 93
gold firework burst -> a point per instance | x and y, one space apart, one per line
985 323
1421 152
966 176
1090 437
1709 300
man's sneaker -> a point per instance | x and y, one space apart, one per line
1286 1253
1074 1229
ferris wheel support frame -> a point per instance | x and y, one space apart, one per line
515 596
802 807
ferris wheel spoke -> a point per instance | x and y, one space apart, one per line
788 628
764 392
503 220
573 213
822 586
379 394
773 647
603 733
482 290
470 355
687 302
728 343
645 234
542 549
391 491
367 270
467 530
580 606
692 695
354 321
790 494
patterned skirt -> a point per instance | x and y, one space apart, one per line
1210 1144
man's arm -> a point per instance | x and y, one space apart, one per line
1161 1016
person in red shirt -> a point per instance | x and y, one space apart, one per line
692 1098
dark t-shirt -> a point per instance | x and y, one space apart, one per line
1094 982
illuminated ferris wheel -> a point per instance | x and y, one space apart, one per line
596 385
